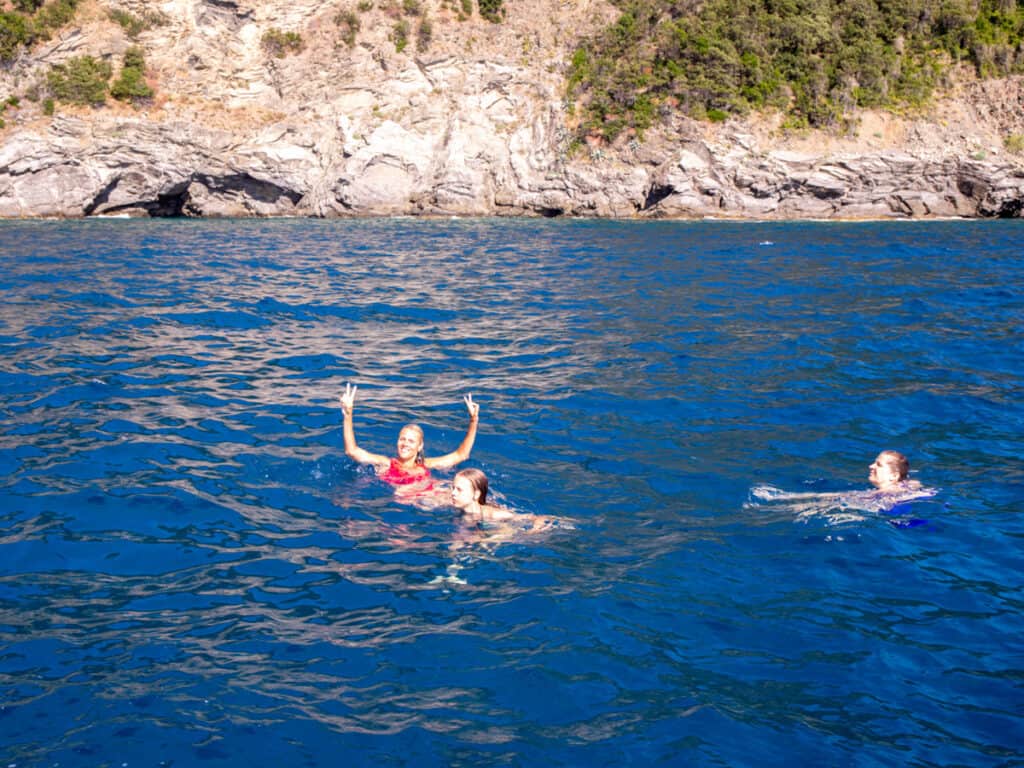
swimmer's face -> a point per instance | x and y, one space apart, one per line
883 472
409 444
464 493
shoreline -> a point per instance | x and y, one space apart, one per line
514 217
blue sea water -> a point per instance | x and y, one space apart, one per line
193 573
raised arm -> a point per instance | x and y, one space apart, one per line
461 453
353 451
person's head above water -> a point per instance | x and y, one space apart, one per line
469 487
409 446
890 468
410 443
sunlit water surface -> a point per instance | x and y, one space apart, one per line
193 573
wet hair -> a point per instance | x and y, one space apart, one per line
897 461
478 480
419 431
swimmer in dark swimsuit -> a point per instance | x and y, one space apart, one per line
890 475
893 490
409 471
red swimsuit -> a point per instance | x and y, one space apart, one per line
395 475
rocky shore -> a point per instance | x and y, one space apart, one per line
475 124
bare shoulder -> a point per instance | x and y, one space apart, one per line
499 514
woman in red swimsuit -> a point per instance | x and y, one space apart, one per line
409 471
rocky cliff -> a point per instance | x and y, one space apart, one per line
473 122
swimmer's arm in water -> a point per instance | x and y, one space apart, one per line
461 453
352 450
771 493
523 522
500 514
542 524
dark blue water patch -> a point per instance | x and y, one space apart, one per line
121 427
49 333
309 365
235 319
307 312
108 457
94 300
12 459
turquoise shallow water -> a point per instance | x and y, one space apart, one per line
192 573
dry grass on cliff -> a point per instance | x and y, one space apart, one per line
976 118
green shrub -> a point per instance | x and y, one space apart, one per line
132 85
29 22
131 23
812 59
13 101
15 33
1015 143
48 106
135 58
492 10
424 34
56 14
135 25
365 5
411 7
81 80
348 25
467 8
400 35
279 44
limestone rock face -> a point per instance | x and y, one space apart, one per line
883 185
472 122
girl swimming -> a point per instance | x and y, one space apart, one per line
469 496
409 470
